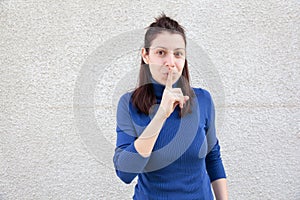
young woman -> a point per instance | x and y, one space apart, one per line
165 128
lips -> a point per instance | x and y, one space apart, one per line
166 74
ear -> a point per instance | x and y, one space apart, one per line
145 56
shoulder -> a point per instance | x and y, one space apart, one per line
202 95
125 100
125 97
205 102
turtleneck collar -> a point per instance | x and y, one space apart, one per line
159 88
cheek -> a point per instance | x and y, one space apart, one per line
154 69
155 60
180 65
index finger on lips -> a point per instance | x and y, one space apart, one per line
169 79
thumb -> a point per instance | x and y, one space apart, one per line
186 98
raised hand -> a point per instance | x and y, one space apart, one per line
171 97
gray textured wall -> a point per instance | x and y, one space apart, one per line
253 51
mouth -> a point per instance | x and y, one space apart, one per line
167 73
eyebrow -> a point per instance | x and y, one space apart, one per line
167 48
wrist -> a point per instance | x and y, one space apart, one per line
161 113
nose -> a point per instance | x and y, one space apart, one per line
170 60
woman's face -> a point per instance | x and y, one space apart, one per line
167 51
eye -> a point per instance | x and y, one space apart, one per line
179 54
161 52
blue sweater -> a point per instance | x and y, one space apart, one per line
185 158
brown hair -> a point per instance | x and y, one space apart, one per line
143 97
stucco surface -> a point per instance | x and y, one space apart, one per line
47 46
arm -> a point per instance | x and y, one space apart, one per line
145 143
132 152
220 189
214 164
127 161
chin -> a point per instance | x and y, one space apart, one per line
162 82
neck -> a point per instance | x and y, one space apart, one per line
159 88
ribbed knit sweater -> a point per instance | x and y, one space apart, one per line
185 158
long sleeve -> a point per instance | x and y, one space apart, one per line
127 161
214 164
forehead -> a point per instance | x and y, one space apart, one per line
168 40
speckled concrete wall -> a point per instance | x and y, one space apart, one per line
49 48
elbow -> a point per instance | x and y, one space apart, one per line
125 177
